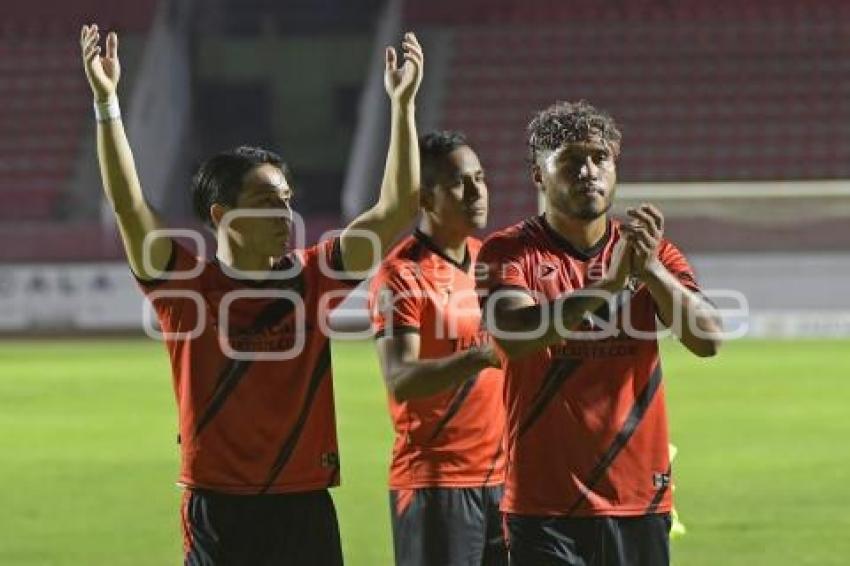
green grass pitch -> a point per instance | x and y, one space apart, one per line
88 454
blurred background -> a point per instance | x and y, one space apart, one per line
736 123
736 119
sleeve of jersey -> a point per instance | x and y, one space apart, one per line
676 263
395 301
325 268
176 295
500 266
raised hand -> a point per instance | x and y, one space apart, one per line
403 83
104 71
644 233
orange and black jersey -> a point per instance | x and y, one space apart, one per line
453 438
587 425
251 421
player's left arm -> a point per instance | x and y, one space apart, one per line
693 319
398 203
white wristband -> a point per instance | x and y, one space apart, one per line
106 111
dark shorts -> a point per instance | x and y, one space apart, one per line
260 530
591 541
448 526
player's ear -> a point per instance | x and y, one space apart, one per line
537 176
217 212
426 198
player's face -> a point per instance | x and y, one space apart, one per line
579 178
460 198
266 193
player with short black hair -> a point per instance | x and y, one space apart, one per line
218 179
572 298
444 385
251 367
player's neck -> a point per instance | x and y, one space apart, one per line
241 259
581 234
451 243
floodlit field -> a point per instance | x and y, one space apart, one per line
88 454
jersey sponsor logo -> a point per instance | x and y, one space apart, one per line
473 341
277 338
609 348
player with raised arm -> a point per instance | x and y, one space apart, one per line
442 376
251 368
572 300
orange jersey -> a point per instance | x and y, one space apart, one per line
587 425
250 426
453 438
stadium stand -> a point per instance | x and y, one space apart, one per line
42 120
248 17
721 91
702 91
40 123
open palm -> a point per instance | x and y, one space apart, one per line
402 83
102 71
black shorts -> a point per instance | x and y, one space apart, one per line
591 541
448 526
260 530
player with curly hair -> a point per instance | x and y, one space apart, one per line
571 299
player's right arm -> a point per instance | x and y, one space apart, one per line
408 377
397 305
520 325
117 169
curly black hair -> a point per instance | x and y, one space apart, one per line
565 122
433 147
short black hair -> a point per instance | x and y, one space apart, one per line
219 178
565 122
434 147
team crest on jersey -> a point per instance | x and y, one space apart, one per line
330 460
546 271
660 480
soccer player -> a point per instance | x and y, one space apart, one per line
442 376
572 301
251 369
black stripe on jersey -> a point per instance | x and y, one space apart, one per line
636 415
235 370
323 364
558 373
227 382
454 406
659 495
